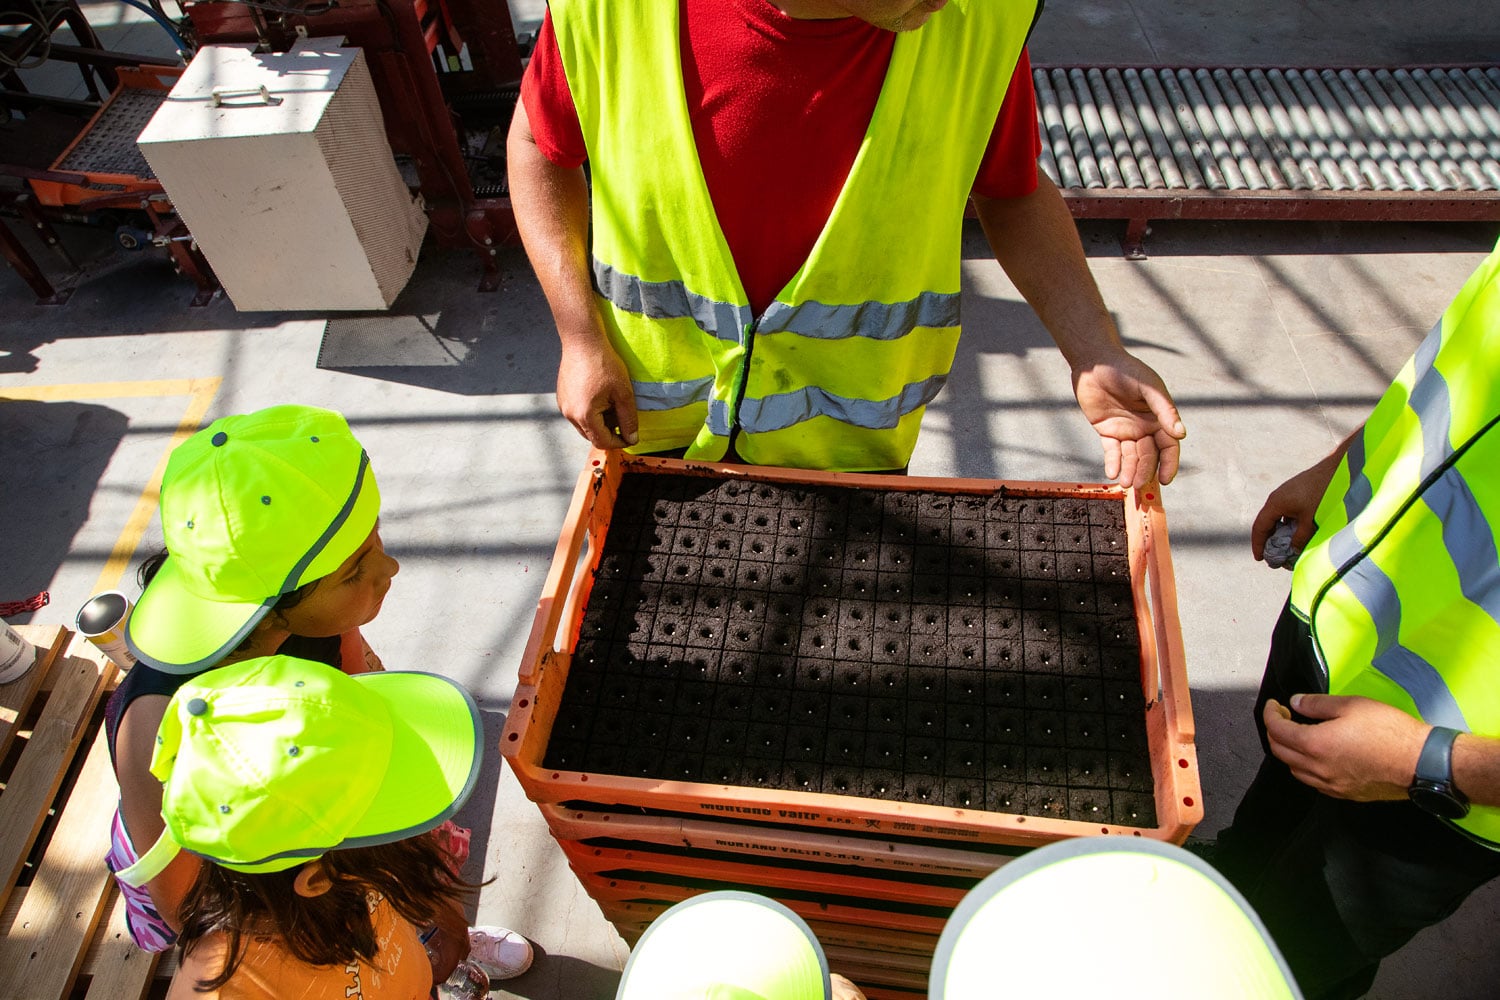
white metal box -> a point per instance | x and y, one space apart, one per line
279 165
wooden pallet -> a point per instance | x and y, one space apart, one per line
62 922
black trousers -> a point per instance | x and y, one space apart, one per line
1339 884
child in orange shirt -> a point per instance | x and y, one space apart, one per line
307 793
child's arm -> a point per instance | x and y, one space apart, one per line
140 803
451 942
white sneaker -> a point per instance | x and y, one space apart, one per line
502 952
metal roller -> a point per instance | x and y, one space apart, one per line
1109 169
1463 121
1422 106
1341 170
1272 154
1218 143
1280 145
1321 169
1131 169
1078 138
1363 146
1475 106
1167 141
1182 110
1244 141
1336 129
1252 130
1153 173
1055 133
1410 158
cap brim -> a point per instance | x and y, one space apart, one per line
174 630
435 756
727 944
1133 912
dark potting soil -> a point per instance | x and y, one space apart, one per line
974 652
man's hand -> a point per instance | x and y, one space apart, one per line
595 395
1362 750
1298 499
1137 421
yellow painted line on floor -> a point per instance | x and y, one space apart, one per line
200 393
112 390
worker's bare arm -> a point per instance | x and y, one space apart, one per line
1036 242
552 214
1476 768
1367 751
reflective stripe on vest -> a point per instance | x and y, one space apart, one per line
1401 582
837 371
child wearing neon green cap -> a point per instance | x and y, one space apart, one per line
304 792
270 520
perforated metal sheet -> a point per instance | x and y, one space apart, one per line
108 147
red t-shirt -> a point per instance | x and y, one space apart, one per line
779 108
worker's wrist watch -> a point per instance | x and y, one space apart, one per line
1432 787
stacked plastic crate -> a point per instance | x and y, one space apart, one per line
855 694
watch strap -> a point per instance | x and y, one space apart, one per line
1435 763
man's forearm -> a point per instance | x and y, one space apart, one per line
551 206
1034 239
1476 768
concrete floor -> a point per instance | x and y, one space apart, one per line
1275 340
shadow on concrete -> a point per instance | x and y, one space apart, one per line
1189 238
477 812
442 333
560 976
52 457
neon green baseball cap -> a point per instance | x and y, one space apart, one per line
1106 916
269 763
727 945
252 507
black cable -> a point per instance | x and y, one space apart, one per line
44 42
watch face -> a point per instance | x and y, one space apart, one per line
1438 799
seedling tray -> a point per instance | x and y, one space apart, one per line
998 662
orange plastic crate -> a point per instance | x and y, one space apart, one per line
755 873
633 900
544 674
771 844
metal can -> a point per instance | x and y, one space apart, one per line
16 654
101 621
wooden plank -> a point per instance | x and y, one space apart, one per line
17 696
119 969
81 679
41 955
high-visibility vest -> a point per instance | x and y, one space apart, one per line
836 373
1401 582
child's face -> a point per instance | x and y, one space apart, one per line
348 597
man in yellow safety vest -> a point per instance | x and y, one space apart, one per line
762 263
1377 808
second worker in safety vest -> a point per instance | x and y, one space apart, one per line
703 123
1377 808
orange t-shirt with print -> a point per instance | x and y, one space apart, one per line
400 971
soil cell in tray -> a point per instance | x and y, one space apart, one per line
977 652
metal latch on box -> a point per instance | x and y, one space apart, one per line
219 95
